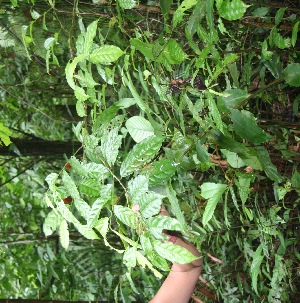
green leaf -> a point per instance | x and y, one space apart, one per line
127 4
233 159
275 38
65 212
105 195
86 231
34 14
126 215
213 192
246 127
137 187
233 98
295 180
145 48
144 262
89 37
173 252
229 59
213 109
164 222
279 15
292 74
179 13
82 207
81 96
176 208
64 234
139 101
110 144
232 10
129 257
51 223
295 33
153 256
165 6
102 226
90 187
96 171
196 17
49 42
4 135
202 153
260 11
106 54
172 53
141 154
150 204
269 168
70 69
247 154
160 171
70 186
243 182
139 128
80 109
104 118
255 266
264 50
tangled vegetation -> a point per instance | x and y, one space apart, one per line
194 104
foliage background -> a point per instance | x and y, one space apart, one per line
229 151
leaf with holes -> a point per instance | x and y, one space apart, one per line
141 154
105 54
